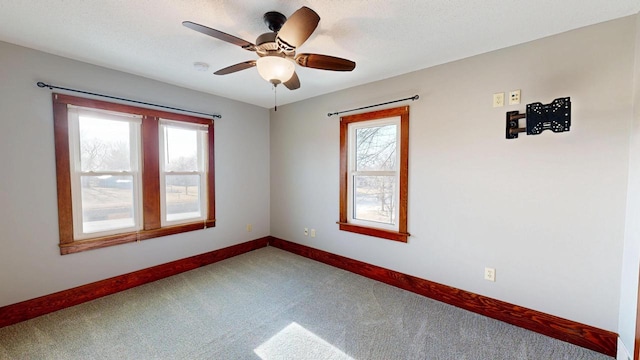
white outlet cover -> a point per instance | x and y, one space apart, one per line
498 99
490 274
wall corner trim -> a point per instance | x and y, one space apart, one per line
587 336
29 309
623 352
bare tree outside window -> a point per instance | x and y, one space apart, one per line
107 195
376 148
374 194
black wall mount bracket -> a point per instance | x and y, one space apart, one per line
555 116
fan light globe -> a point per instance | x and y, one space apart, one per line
275 69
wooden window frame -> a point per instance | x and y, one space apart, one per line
134 124
150 169
402 234
201 172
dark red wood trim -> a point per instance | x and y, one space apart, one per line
211 178
378 114
344 161
404 172
112 106
566 330
63 171
381 233
636 351
150 173
111 240
29 309
402 233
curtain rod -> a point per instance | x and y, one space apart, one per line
413 98
43 85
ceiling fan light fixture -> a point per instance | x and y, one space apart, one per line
275 69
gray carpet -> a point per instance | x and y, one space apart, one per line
271 304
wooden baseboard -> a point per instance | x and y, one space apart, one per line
29 309
566 330
576 333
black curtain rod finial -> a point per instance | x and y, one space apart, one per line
41 85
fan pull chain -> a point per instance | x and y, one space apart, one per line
275 97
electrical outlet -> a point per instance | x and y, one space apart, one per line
490 274
498 99
313 232
249 227
514 97
306 231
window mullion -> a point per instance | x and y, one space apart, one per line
150 173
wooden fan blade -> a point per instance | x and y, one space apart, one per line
220 35
293 83
297 29
325 62
236 67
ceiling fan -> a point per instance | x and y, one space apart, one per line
277 49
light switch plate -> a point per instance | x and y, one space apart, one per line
514 97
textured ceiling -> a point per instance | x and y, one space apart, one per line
384 37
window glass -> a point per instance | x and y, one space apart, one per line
104 144
107 203
181 149
104 174
375 199
183 172
373 173
376 148
183 197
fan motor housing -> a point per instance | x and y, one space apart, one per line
274 20
266 43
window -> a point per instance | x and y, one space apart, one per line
105 175
374 163
182 168
127 174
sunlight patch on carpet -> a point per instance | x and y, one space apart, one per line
296 342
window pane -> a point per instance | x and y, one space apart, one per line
181 149
182 197
374 198
376 148
104 145
107 203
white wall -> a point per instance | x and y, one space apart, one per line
546 211
631 260
30 262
